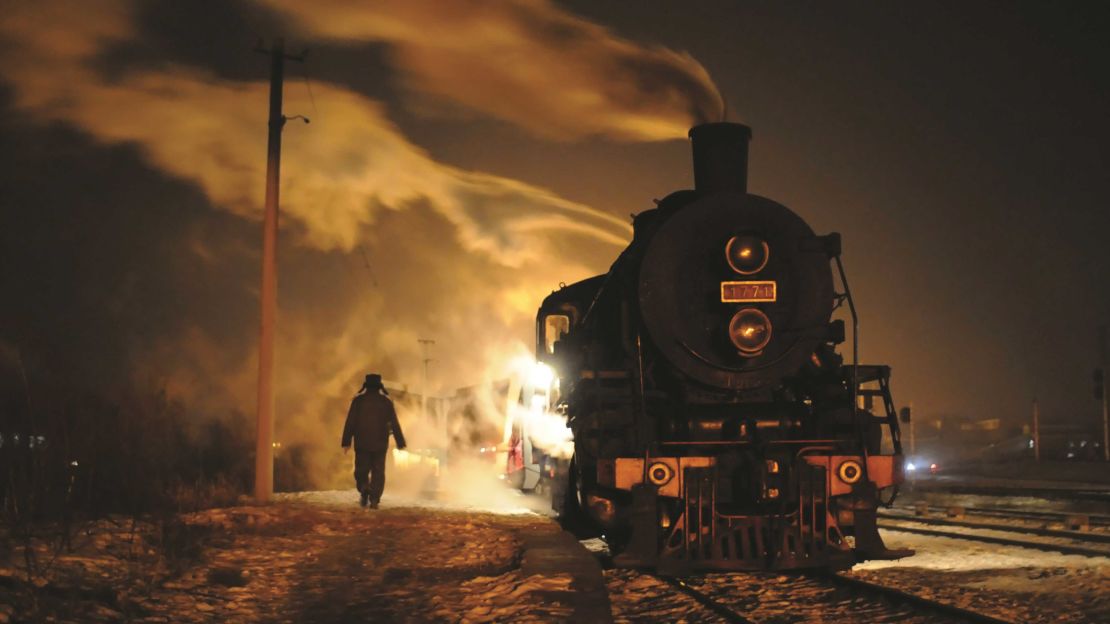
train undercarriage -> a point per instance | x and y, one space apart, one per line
767 502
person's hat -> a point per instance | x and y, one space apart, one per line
373 381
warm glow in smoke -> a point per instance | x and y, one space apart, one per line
427 249
535 412
548 430
528 62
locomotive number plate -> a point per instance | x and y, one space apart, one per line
748 292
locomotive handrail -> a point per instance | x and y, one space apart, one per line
860 434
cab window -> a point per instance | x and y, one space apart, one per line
554 327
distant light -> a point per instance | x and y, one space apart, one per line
1030 444
933 467
910 467
73 463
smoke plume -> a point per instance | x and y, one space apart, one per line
381 245
527 62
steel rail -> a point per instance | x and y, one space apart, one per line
1078 536
1023 514
706 601
1099 495
884 592
914 599
1004 541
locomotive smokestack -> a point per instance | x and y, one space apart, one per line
720 157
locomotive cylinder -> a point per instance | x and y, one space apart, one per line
720 157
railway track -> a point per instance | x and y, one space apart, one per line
1080 536
759 598
764 597
1098 520
1083 544
720 609
1094 495
825 597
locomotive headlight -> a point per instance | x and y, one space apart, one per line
750 331
747 254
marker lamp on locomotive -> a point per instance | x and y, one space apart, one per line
660 474
850 471
750 331
747 254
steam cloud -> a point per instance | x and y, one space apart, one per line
528 62
388 244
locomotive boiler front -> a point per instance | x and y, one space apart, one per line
735 290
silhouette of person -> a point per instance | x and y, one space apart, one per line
369 422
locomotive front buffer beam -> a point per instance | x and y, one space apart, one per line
818 512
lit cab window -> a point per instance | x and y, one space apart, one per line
555 326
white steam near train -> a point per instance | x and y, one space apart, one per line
535 436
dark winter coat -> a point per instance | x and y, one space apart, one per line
370 421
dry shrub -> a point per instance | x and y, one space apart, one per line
75 458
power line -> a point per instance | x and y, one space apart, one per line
308 85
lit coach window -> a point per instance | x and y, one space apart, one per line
750 331
747 254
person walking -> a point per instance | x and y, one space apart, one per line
370 420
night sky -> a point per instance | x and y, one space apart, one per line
466 157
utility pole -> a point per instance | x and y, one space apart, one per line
264 444
424 344
1036 432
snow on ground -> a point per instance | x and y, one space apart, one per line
1017 584
313 556
943 553
509 502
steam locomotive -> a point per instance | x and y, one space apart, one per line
715 425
